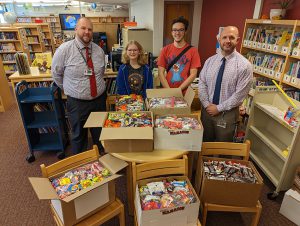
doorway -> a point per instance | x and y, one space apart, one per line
172 10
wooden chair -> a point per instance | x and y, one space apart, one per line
156 169
232 149
114 209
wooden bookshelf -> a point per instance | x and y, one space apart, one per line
108 19
5 95
12 40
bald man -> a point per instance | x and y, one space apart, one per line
224 82
78 69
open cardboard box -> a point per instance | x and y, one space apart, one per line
170 92
84 203
179 139
186 215
227 192
122 139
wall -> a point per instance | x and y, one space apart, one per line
292 14
159 28
143 12
219 13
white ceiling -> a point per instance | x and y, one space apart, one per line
109 1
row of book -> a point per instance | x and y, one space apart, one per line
8 36
22 64
269 35
28 31
7 47
269 61
111 86
10 68
33 39
8 57
32 56
294 69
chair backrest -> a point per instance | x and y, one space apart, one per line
159 168
226 148
70 162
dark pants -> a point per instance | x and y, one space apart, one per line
212 132
78 111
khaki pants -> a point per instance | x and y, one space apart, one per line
212 132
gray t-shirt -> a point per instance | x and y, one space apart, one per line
135 79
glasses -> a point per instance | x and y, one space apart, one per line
132 50
178 30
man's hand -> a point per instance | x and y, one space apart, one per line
212 110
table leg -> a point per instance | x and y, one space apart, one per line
129 189
191 160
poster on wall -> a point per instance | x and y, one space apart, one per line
218 49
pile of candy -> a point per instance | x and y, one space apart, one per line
130 102
165 194
167 102
79 178
175 122
229 171
118 119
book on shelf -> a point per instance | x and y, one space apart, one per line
22 63
8 36
43 61
7 47
8 57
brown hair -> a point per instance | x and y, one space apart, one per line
142 60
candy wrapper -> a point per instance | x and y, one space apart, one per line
130 102
79 178
175 122
229 171
118 119
167 102
165 194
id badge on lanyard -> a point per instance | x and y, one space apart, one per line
88 71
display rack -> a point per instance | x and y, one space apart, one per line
43 118
12 40
275 144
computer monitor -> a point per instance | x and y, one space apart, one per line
68 21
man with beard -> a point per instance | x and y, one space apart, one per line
181 72
78 69
224 82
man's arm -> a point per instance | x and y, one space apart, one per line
57 68
190 79
242 89
162 77
202 87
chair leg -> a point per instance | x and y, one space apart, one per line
121 216
256 217
197 177
204 214
129 189
190 164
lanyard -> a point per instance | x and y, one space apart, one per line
85 60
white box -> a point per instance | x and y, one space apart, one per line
287 78
186 215
270 47
296 52
245 43
284 49
264 46
179 139
290 206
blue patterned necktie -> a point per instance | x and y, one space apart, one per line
216 97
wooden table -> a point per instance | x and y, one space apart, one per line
143 157
37 76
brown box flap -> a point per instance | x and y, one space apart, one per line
164 92
95 119
43 188
127 133
189 96
112 163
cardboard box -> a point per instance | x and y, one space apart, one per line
290 206
179 139
84 203
179 216
122 139
230 193
170 92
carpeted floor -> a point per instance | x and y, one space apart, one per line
20 206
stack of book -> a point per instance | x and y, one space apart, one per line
22 63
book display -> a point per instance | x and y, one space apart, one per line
12 41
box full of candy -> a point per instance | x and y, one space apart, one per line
178 132
166 201
229 182
82 190
130 102
124 131
169 101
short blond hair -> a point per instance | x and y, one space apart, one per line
142 59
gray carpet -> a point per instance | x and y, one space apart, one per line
20 206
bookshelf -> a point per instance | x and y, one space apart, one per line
272 46
275 145
54 24
12 40
108 19
5 95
